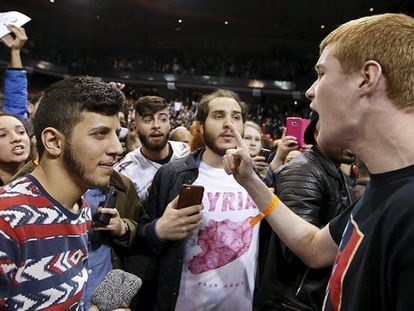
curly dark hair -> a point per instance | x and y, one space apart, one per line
64 101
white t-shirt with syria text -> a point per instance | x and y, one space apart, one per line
220 260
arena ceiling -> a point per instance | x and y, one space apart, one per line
253 25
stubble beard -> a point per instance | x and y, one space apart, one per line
150 146
210 143
77 169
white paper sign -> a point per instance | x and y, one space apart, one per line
12 17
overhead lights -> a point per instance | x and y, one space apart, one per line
180 21
257 84
322 26
371 9
226 22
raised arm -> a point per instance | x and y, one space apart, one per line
285 145
15 82
314 246
17 44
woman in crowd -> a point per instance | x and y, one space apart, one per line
252 136
14 146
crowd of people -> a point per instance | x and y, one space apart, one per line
91 184
278 65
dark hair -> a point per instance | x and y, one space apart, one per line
64 101
21 119
34 98
203 107
149 105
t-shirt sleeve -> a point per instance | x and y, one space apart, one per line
337 224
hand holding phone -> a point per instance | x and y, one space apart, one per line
181 217
110 202
190 195
296 127
265 153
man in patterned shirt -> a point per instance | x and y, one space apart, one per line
43 220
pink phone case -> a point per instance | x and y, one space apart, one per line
296 127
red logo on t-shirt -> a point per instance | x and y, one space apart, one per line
351 240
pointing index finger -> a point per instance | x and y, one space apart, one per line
239 140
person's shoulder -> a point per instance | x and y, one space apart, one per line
300 163
300 171
179 164
131 159
133 155
180 149
17 185
121 181
404 194
315 163
17 192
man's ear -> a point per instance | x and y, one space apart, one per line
53 141
371 73
201 129
316 134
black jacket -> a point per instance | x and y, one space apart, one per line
168 256
312 187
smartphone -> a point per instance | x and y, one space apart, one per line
296 127
190 195
110 202
265 153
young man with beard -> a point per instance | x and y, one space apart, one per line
152 124
365 67
207 259
314 187
43 220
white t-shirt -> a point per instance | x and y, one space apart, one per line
220 260
141 170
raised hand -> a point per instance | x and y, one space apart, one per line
238 161
15 41
18 35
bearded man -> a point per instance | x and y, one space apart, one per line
203 260
152 124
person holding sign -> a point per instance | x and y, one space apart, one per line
15 81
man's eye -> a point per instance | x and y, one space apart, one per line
100 134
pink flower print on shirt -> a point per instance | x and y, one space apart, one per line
221 243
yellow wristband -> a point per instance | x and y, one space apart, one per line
269 208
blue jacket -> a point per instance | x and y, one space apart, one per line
15 92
